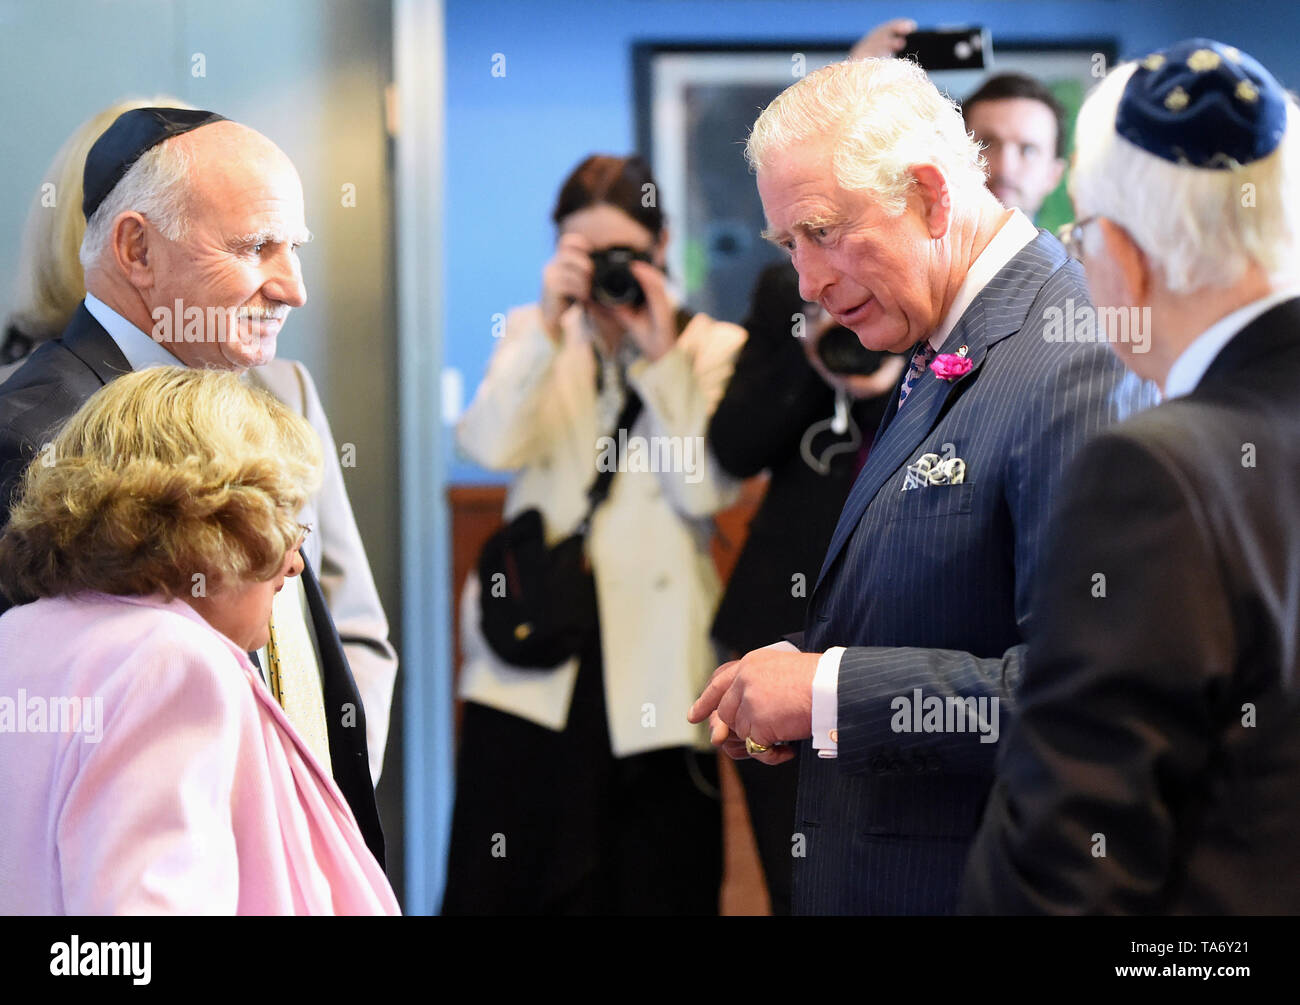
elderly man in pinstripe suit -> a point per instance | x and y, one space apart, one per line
898 688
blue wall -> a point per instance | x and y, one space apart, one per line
567 91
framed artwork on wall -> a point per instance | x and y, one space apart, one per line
695 104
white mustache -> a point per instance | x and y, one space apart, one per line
263 313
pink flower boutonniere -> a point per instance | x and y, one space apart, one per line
950 366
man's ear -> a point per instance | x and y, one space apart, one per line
1130 261
132 249
936 200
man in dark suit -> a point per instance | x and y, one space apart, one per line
912 642
190 255
1155 762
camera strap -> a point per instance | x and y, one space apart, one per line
631 411
599 489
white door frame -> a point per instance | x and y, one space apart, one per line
419 64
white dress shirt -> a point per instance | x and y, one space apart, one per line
1190 366
1010 238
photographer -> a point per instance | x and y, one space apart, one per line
803 404
581 787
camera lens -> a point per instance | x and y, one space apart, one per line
612 282
841 352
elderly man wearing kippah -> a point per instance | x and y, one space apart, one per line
1155 761
190 254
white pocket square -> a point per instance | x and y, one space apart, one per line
931 469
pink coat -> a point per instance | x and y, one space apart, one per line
182 790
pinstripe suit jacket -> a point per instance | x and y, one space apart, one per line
930 588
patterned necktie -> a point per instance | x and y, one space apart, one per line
922 357
291 670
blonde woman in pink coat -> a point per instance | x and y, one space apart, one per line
145 767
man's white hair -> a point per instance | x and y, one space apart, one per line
154 186
884 115
1200 227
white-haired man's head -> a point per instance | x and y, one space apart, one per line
154 186
885 115
871 183
1198 227
197 245
1186 186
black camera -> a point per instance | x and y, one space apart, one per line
842 353
612 282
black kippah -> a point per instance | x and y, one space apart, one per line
126 141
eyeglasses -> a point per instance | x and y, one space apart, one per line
1071 235
306 529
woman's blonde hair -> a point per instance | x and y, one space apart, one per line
51 282
165 481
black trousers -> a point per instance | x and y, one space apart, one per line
549 823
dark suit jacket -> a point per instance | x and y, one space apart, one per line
39 397
1160 722
930 589
772 399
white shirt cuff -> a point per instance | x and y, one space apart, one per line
825 703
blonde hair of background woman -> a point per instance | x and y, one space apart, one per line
163 475
50 281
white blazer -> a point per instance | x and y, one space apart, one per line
536 412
